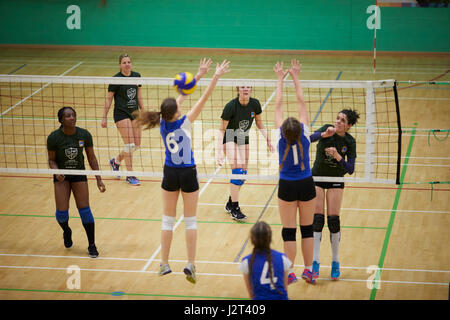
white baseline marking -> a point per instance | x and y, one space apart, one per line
215 274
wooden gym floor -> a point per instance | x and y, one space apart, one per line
402 230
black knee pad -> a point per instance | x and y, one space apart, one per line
319 222
288 234
307 231
334 224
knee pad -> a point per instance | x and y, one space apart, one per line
62 216
319 222
135 148
334 224
288 234
86 215
238 182
129 147
307 231
167 223
190 223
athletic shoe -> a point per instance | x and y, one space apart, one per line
237 214
68 239
133 181
114 165
335 273
93 253
189 271
228 205
309 276
316 267
164 269
292 278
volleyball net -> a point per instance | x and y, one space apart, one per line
29 106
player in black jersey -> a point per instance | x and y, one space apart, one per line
127 99
65 151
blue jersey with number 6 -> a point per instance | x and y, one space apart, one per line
263 289
177 140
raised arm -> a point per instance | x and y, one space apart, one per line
294 71
278 69
221 69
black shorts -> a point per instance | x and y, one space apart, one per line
296 190
180 178
330 185
71 178
234 138
120 114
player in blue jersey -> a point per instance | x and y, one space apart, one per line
180 171
296 189
265 270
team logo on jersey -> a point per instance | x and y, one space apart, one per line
81 143
344 149
252 114
71 153
131 93
243 124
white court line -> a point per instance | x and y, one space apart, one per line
342 209
199 262
44 86
219 275
314 68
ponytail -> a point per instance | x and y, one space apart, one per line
292 131
148 119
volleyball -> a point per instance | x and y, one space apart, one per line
185 83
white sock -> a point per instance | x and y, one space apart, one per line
317 239
335 239
309 268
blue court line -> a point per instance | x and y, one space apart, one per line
17 69
325 100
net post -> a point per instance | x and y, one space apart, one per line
399 135
370 131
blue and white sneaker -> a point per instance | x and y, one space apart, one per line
189 271
164 269
335 273
133 181
315 268
114 165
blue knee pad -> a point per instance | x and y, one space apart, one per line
86 215
62 216
238 182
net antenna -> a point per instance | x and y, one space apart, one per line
29 106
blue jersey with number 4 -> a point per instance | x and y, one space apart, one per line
263 289
291 166
177 140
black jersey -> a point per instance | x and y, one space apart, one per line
69 148
326 165
240 118
125 95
